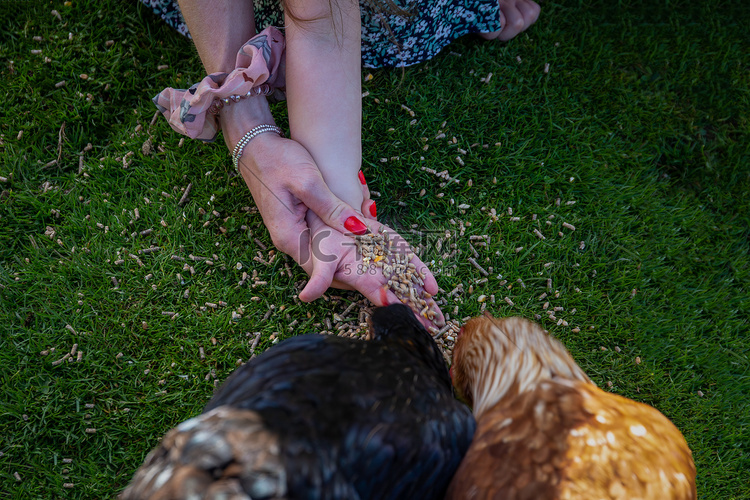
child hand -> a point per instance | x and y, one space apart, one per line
334 259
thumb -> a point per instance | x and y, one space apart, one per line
333 211
323 263
319 282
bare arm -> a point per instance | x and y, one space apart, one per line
218 34
309 182
282 176
217 30
324 91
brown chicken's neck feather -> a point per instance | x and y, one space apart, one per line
502 358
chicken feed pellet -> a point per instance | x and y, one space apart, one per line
404 279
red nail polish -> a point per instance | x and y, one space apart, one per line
373 210
362 178
355 225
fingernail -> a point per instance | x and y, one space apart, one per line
373 210
362 178
355 225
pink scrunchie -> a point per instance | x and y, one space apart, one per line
260 60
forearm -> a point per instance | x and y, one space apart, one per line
219 28
324 90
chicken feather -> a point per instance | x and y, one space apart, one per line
322 417
545 431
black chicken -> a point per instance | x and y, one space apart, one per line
322 417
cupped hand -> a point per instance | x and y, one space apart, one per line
306 220
333 259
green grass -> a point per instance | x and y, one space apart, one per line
642 120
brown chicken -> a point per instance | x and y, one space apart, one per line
545 431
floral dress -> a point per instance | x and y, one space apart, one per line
388 40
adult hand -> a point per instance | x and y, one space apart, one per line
293 199
286 185
304 218
283 178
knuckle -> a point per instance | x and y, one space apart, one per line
335 210
306 184
305 181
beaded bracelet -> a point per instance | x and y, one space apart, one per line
254 132
218 104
